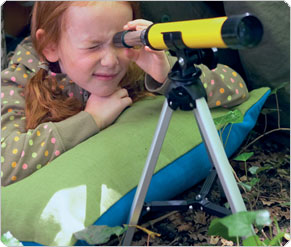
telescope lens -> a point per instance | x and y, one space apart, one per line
242 31
250 31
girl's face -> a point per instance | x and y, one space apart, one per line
86 52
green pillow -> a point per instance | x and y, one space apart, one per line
74 190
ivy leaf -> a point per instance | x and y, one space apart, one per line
231 117
247 186
253 241
253 169
244 156
254 181
256 170
238 224
95 234
263 218
232 226
277 239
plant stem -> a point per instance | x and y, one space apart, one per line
237 241
278 110
267 133
228 134
246 170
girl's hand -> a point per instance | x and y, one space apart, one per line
106 109
154 63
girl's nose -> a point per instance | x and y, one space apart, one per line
110 57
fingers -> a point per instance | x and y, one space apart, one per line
127 101
138 24
121 93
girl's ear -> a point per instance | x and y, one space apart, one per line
50 51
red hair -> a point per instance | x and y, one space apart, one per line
45 101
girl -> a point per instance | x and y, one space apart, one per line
67 81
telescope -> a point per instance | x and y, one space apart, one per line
235 32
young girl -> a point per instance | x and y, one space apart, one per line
67 81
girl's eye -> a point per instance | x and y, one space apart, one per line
94 47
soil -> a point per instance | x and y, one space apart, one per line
188 228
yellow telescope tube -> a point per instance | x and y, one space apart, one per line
222 32
195 33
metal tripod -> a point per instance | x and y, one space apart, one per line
187 92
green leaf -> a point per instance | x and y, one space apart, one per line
231 117
233 226
253 169
252 241
268 167
238 224
247 186
277 239
254 181
263 218
95 234
244 156
8 240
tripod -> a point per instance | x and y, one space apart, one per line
187 92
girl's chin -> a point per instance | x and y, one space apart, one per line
104 93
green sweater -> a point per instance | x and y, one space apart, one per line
24 152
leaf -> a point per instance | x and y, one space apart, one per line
8 240
277 239
95 234
232 226
254 181
268 167
263 218
238 224
252 241
253 169
244 156
247 186
231 117
184 228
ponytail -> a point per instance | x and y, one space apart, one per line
45 101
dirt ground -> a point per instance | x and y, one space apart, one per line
272 192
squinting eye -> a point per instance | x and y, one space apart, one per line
94 47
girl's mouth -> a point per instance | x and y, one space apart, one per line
104 77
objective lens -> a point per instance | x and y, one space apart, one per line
242 31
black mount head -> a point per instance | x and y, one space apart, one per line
186 85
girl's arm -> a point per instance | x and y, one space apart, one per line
24 152
224 87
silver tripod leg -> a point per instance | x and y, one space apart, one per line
215 151
148 171
218 156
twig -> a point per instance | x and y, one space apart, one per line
152 222
267 133
263 232
173 241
